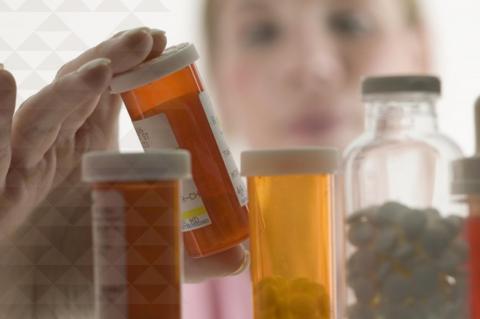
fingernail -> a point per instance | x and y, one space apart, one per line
135 31
94 64
157 32
120 33
244 265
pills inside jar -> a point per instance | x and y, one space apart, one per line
406 263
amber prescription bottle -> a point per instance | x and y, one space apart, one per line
136 232
466 186
291 232
170 108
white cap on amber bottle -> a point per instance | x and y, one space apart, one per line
172 60
159 165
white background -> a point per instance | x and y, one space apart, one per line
37 36
455 26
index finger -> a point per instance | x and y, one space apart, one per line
125 51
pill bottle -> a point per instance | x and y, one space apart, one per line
169 108
466 186
136 232
406 253
291 232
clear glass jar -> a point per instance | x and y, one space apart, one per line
406 255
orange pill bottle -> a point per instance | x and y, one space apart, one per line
170 108
136 233
292 232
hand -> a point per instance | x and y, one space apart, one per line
40 152
228 263
42 145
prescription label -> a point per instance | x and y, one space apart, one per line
156 132
233 172
110 246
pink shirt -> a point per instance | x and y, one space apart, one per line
225 298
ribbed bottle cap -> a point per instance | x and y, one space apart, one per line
172 60
163 165
402 84
301 161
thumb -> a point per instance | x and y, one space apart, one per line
228 263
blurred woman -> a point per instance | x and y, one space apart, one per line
288 73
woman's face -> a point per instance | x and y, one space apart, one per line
288 72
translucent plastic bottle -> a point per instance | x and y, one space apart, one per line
406 254
466 186
136 232
169 108
291 226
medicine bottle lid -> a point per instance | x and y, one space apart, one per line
300 161
402 84
172 59
466 171
104 167
466 176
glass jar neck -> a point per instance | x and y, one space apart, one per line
397 113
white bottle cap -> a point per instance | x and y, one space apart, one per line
300 161
164 165
466 172
172 60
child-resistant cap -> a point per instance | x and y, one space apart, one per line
466 171
402 84
301 161
104 167
172 60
